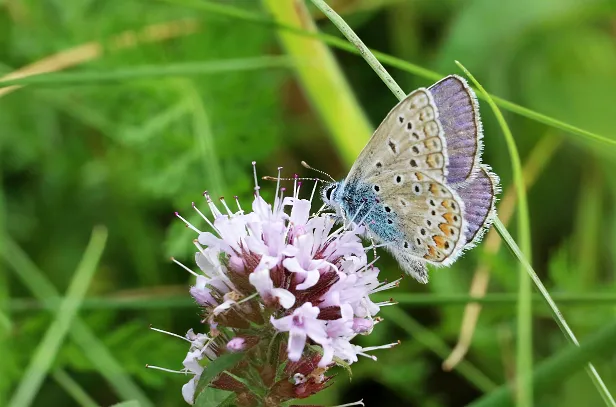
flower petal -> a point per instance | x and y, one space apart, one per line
188 390
262 281
285 298
312 277
297 341
292 264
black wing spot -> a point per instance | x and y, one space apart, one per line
455 218
377 188
418 242
401 119
417 189
409 126
403 202
453 206
390 221
433 213
446 245
415 149
398 179
423 231
392 146
406 245
432 202
413 163
387 209
379 164
416 136
429 222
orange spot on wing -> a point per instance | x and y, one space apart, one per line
447 229
431 160
449 217
440 241
431 255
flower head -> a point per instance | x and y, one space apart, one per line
279 282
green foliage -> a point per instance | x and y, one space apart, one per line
128 153
211 397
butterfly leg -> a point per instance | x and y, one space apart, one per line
372 241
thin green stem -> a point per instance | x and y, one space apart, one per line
157 301
256 18
73 388
81 334
558 316
49 346
393 86
434 343
151 71
524 344
557 368
322 80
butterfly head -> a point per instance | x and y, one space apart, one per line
331 194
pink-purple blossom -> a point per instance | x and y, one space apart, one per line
297 277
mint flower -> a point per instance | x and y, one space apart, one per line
284 291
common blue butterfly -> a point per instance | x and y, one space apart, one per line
419 185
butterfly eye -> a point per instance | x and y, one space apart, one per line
330 190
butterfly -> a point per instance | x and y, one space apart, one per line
419 186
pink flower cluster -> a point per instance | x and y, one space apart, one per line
278 272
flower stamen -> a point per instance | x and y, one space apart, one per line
254 171
164 369
184 267
188 224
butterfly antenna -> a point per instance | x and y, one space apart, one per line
305 165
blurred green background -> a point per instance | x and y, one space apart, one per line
165 115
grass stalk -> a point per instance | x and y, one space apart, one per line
73 388
399 93
322 80
557 368
257 18
162 301
435 344
524 340
48 348
92 347
93 77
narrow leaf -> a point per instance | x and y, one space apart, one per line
216 367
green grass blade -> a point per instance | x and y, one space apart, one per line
558 316
73 388
553 371
524 343
433 342
393 86
418 300
46 352
131 403
92 347
151 71
256 18
322 80
204 139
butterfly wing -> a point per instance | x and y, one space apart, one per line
404 169
479 197
427 214
458 112
410 134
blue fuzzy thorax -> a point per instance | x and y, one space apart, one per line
356 199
